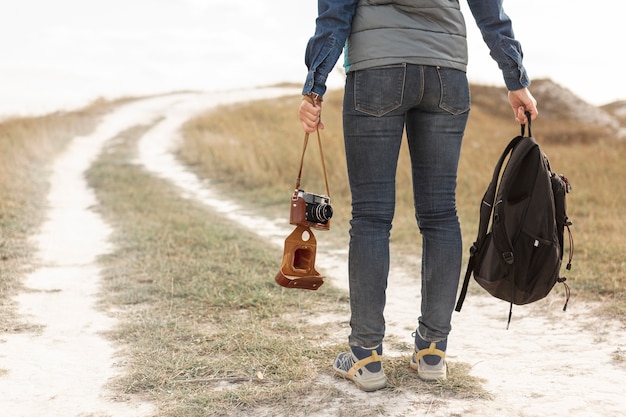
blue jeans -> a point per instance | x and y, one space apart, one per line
432 103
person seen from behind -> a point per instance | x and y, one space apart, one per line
406 63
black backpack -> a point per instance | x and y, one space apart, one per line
519 259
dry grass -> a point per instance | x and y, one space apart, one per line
254 150
208 330
263 154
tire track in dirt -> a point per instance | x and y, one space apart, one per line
62 368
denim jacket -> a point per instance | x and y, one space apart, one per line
333 27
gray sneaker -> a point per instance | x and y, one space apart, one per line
429 359
362 366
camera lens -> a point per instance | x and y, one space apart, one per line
323 212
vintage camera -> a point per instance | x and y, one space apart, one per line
310 210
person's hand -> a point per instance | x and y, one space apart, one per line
521 102
311 113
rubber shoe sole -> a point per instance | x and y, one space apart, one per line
427 372
346 366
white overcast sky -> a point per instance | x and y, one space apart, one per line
63 53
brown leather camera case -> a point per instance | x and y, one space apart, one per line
298 266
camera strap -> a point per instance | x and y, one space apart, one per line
319 141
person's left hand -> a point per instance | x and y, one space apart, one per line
522 101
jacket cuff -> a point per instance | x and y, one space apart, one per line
313 86
516 79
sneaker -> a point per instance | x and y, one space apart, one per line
362 366
429 359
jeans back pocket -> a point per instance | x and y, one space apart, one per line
455 93
379 90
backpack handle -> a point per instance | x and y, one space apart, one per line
523 126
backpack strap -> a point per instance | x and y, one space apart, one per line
486 210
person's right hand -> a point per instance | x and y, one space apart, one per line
311 114
521 102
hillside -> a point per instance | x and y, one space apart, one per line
564 117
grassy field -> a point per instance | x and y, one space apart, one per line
209 332
254 149
205 329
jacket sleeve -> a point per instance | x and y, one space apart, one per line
332 28
497 32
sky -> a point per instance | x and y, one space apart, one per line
64 53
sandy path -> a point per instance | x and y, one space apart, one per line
62 369
548 364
